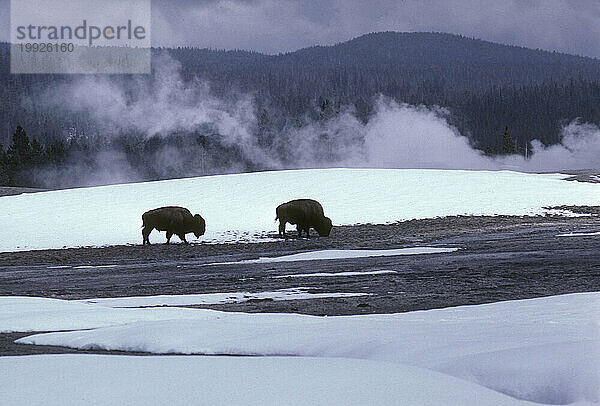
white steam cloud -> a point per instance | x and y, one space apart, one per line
163 106
579 149
395 136
404 136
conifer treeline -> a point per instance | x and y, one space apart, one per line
486 87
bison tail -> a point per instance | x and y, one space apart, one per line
276 218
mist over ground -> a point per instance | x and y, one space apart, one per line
228 134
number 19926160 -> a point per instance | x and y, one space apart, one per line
47 47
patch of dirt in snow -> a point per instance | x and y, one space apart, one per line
584 175
12 191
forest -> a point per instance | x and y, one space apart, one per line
500 97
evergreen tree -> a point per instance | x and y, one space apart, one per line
508 145
4 175
327 110
19 152
38 155
56 152
489 151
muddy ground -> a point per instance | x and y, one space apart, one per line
499 258
584 175
13 191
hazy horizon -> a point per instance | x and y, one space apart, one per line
272 27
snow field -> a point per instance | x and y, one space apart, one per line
545 350
241 207
253 381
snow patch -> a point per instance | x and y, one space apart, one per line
578 234
214 298
333 274
545 350
94 266
22 314
340 254
564 213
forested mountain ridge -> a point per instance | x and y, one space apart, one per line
485 86
455 62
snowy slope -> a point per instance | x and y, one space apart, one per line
545 350
19 313
214 381
242 206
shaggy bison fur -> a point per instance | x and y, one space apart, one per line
173 220
306 214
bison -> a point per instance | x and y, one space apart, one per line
306 214
173 220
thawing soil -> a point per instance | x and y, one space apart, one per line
13 191
585 175
499 258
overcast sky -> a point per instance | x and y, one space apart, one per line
273 26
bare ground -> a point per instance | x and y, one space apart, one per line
12 191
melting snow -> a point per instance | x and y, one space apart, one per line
341 254
333 274
544 350
214 298
578 234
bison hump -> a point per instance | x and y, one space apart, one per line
300 210
169 216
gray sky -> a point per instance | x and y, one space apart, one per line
272 26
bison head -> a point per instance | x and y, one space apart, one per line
325 227
200 227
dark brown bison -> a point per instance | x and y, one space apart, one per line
306 214
173 220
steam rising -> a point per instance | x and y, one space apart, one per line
164 106
404 136
580 149
395 136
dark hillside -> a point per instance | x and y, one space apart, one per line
485 86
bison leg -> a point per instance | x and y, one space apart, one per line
307 232
169 235
182 238
299 230
145 234
282 228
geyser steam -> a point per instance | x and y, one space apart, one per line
395 136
